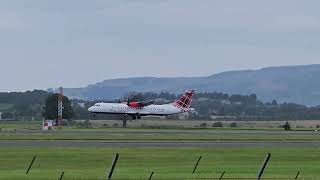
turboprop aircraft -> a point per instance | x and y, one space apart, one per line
145 108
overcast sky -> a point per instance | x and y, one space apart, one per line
72 43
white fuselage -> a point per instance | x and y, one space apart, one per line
123 108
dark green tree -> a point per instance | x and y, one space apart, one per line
217 124
274 103
234 124
51 108
287 126
135 96
7 115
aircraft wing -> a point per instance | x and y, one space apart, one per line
147 103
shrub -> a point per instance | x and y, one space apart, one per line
86 124
287 126
115 125
217 124
66 122
105 125
299 126
203 125
233 124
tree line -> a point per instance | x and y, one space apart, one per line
210 105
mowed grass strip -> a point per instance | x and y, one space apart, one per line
161 134
167 163
30 130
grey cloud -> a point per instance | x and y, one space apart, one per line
92 40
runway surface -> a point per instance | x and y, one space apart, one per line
164 144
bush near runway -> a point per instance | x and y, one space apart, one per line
167 163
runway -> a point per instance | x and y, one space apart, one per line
150 144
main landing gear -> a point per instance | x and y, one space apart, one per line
137 116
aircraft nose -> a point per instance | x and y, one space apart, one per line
90 109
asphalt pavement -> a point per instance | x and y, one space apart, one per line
164 144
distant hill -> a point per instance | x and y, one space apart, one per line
299 84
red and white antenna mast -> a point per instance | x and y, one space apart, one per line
60 106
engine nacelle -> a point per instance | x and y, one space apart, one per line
135 104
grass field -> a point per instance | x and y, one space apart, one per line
91 163
158 135
167 163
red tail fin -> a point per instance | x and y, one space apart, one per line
185 101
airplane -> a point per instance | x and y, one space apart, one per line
146 108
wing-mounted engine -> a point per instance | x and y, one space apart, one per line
140 104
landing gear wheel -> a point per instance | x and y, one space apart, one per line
138 116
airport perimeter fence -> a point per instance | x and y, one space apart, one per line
309 178
154 175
